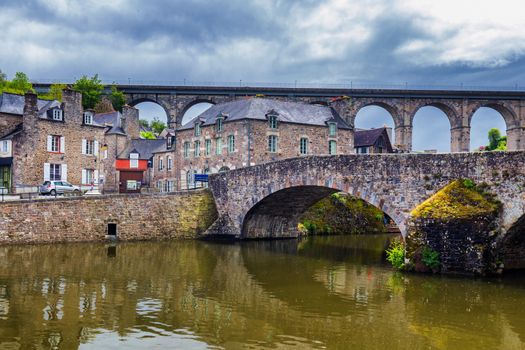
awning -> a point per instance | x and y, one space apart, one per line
6 161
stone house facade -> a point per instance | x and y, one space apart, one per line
51 140
373 140
249 132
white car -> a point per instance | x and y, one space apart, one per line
58 187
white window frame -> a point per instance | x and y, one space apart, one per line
273 123
170 163
197 129
55 172
54 143
186 149
58 114
88 118
161 163
207 147
219 124
133 160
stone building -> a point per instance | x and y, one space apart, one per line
248 132
373 140
51 140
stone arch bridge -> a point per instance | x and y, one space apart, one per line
458 106
266 201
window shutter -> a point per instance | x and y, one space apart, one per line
62 144
47 171
96 148
49 141
84 177
64 172
84 146
96 177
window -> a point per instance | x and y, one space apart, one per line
231 143
54 143
332 147
189 179
272 143
218 124
159 185
362 150
57 114
332 129
197 129
170 163
55 172
161 163
207 147
133 160
88 118
88 176
197 149
218 145
303 146
186 149
89 147
5 147
170 186
272 122
169 142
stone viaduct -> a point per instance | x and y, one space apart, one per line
265 201
459 106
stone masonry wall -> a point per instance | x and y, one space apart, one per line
138 217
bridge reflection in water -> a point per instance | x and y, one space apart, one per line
323 292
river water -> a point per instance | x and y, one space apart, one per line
317 293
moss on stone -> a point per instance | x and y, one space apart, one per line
460 199
342 214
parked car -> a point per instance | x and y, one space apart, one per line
58 187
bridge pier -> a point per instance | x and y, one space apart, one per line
516 138
404 137
460 139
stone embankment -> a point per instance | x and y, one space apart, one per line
125 217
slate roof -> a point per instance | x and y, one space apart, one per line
18 129
144 147
368 137
14 104
112 120
257 108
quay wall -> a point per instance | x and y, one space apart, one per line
83 219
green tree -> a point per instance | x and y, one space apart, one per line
157 125
3 78
117 98
144 123
19 85
496 141
91 89
54 93
147 135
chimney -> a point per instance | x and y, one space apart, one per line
30 116
130 121
72 105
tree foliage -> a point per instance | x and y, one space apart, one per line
91 89
54 93
19 85
496 141
157 126
144 123
147 135
117 98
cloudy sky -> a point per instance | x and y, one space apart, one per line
311 41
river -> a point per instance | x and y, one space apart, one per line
316 293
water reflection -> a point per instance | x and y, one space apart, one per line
323 292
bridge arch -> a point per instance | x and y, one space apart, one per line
444 119
506 111
188 105
276 215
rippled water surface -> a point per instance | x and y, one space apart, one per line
318 293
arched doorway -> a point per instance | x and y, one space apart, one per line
483 121
431 130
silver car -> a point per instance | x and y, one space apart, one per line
58 187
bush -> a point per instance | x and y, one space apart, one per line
430 258
468 183
395 254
